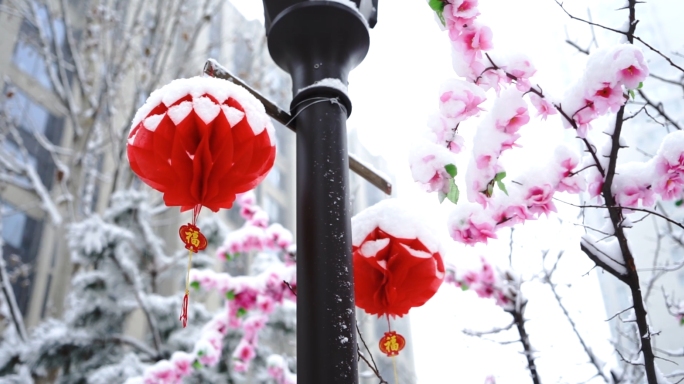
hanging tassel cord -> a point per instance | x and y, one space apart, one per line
394 361
394 365
186 297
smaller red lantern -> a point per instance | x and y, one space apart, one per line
397 264
392 343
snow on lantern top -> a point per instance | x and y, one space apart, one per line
396 218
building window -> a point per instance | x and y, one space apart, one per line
11 149
27 50
26 113
21 236
13 223
32 118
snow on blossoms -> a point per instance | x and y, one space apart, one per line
601 90
256 234
459 100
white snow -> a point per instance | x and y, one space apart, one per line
179 112
327 82
398 218
233 115
608 251
152 122
371 248
220 89
206 109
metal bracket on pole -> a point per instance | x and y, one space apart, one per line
214 69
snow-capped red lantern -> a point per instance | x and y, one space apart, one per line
397 263
200 142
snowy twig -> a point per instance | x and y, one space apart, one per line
592 357
138 297
490 332
374 366
629 34
8 292
519 321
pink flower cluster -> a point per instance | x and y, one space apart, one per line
459 101
207 352
245 293
245 352
279 370
636 184
527 199
609 72
256 234
486 284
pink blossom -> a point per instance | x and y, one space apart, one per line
483 161
163 372
539 199
456 144
210 357
276 372
460 104
569 182
510 142
182 363
636 71
513 124
513 214
259 218
247 211
596 185
246 299
492 78
244 351
669 181
471 232
246 199
463 9
472 41
543 106
470 278
630 196
608 99
265 304
251 328
239 366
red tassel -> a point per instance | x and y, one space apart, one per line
184 310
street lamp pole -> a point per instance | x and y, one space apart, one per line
313 41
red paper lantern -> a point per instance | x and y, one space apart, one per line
394 269
200 142
393 275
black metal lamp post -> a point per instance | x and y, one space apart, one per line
314 40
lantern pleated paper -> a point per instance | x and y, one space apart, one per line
397 264
200 142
